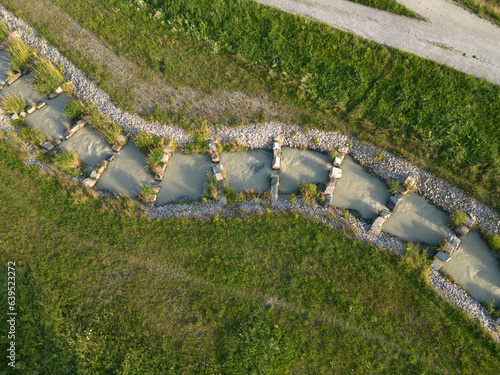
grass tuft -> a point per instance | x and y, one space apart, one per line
13 103
147 142
47 77
21 55
67 162
458 218
4 31
154 158
75 109
32 135
308 193
210 192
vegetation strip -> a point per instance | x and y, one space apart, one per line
309 299
411 106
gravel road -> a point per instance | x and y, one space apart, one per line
451 35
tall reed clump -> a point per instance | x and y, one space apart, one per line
108 129
68 162
47 77
4 31
75 109
13 103
32 135
21 55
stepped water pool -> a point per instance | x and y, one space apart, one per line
127 173
360 191
300 166
248 170
415 219
90 147
185 178
474 267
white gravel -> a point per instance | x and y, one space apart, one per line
439 192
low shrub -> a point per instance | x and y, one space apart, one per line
155 157
75 109
199 144
21 55
18 122
494 242
47 77
230 193
13 103
146 193
32 135
393 186
68 162
458 218
210 191
4 31
147 142
308 192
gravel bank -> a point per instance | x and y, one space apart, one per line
439 192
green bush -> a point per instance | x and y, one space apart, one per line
308 192
21 55
146 193
13 103
154 157
68 162
199 144
393 186
210 191
147 142
32 135
458 218
47 77
494 242
4 31
230 193
75 109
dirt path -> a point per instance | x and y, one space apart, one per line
451 36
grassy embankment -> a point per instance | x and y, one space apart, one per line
390 6
102 290
489 9
443 120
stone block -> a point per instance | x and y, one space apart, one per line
152 198
89 182
111 157
410 181
40 104
3 83
393 201
337 162
277 146
445 257
22 114
102 166
116 147
498 321
448 248
219 176
159 176
57 142
343 150
274 192
454 241
10 80
49 146
212 147
276 162
95 174
437 264
215 158
15 116
328 200
219 168
470 222
168 151
164 158
121 139
223 200
329 189
336 173
461 230
52 95
331 182
30 109
385 214
26 71
156 189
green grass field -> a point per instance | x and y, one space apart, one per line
390 6
103 290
